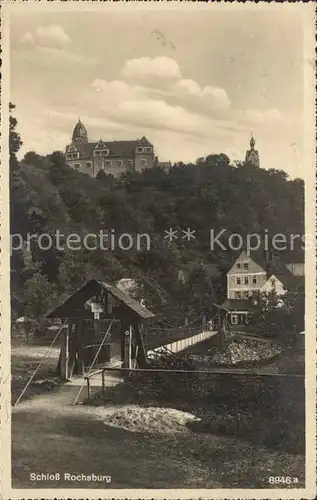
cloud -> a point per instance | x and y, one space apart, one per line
266 116
52 36
214 97
146 68
50 44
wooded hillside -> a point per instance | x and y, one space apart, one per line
47 195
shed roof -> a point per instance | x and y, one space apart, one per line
238 305
80 297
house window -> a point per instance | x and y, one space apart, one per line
97 153
88 164
254 280
120 162
139 150
238 295
108 162
77 166
234 319
238 281
130 162
105 152
246 266
148 150
239 265
245 295
246 280
143 162
273 282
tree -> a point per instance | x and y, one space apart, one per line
40 296
15 141
283 316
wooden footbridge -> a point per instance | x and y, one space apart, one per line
103 324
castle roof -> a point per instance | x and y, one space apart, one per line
117 149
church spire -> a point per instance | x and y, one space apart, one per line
252 155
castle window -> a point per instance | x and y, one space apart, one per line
88 164
77 166
143 161
139 150
119 162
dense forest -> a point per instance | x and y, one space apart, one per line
47 195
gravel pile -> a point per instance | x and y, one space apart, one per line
153 420
245 350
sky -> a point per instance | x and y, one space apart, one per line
194 83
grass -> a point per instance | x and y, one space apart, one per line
49 435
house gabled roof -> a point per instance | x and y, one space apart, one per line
290 282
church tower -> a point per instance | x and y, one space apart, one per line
252 155
80 133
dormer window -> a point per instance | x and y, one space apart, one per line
120 163
105 152
72 156
148 150
97 153
139 149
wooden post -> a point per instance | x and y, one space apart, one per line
103 382
88 388
130 348
69 325
65 353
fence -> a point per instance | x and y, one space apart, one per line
184 343
233 373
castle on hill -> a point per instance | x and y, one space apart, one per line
113 157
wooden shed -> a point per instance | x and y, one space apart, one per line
100 321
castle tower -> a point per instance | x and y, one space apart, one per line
252 155
80 133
